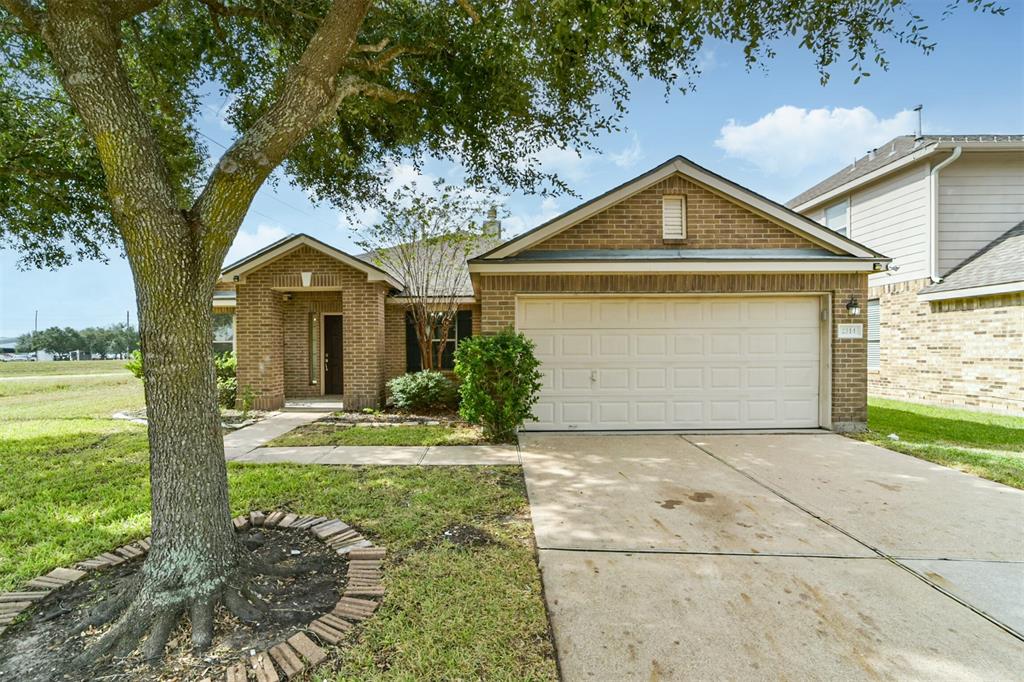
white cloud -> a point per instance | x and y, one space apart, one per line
521 221
248 242
568 164
792 139
630 156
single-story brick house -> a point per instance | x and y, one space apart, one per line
678 300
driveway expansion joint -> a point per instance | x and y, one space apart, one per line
881 554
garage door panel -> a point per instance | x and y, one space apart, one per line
675 362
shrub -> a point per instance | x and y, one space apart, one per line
500 382
227 384
426 390
134 364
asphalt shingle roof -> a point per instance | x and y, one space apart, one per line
1001 262
893 150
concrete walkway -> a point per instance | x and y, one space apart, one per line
773 557
248 445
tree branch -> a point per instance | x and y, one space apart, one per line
29 16
220 9
308 89
130 8
386 57
350 86
470 10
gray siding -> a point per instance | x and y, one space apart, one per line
981 196
891 217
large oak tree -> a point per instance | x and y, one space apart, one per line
99 102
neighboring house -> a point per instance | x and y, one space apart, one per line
678 300
946 322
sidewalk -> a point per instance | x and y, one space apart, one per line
247 445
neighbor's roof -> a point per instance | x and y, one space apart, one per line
895 150
999 263
757 203
292 241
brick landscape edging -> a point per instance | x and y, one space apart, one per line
360 599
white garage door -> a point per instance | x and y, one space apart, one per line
674 363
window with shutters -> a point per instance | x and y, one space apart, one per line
874 318
673 217
461 329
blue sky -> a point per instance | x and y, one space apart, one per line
775 130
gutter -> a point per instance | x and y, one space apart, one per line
933 213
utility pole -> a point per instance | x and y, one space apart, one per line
35 330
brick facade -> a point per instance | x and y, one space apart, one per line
849 356
712 222
272 329
957 353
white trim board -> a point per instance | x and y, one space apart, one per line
766 208
627 267
974 292
373 273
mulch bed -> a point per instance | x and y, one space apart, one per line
317 608
392 418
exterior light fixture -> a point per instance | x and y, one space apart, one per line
853 306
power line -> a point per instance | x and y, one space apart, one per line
273 194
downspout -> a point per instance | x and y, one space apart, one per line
933 213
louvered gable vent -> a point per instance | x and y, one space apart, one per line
673 217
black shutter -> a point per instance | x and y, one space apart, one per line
412 346
464 323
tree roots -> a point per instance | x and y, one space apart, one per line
144 609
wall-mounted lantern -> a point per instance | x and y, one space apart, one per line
853 306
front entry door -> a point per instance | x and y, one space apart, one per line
333 377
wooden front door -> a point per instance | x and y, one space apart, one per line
333 375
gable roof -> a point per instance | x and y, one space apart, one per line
994 268
282 246
893 155
757 203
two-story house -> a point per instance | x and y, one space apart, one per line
945 324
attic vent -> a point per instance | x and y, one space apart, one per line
673 217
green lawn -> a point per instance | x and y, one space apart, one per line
71 487
16 369
988 445
319 433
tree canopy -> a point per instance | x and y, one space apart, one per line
487 84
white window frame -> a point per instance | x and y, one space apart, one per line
845 205
668 200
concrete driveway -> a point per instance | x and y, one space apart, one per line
807 556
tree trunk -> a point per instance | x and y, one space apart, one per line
194 548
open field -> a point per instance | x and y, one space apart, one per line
987 445
74 482
16 369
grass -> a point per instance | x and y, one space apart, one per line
332 434
987 445
71 487
17 369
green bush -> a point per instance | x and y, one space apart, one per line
134 364
500 382
426 390
227 384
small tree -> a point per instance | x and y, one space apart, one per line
500 382
424 240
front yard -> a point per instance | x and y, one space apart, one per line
987 445
463 591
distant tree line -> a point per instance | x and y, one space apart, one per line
116 340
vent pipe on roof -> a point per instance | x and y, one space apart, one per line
920 135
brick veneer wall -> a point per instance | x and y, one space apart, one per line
712 222
849 356
956 353
272 334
